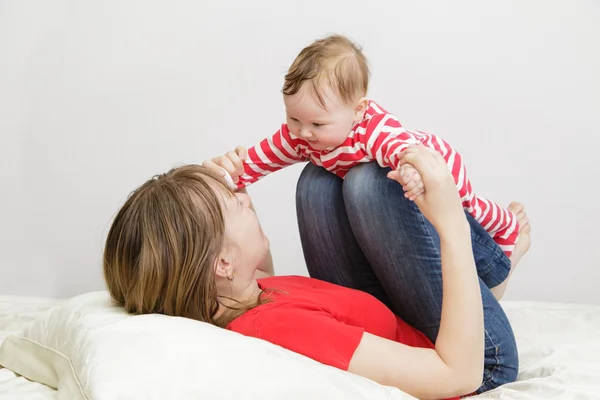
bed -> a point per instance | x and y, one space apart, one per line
16 313
559 346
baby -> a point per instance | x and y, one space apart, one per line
332 124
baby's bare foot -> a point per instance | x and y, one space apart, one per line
524 241
522 246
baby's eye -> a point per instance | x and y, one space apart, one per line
317 125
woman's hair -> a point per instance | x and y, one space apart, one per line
163 246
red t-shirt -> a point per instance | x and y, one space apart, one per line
322 321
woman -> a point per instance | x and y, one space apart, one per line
183 244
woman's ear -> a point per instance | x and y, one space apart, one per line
360 108
224 267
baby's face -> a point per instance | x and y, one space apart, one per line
321 128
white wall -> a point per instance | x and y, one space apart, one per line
95 97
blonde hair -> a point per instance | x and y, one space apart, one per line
337 60
164 243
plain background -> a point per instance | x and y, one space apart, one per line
96 97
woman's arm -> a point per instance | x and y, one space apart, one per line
455 367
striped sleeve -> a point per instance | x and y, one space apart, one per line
270 155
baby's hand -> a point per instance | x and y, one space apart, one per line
232 162
410 179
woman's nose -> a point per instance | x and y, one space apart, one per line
244 199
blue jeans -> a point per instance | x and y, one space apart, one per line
361 232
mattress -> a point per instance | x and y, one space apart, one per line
559 346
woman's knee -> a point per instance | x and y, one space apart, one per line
316 184
366 184
309 175
318 193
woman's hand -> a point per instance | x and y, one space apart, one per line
232 162
440 202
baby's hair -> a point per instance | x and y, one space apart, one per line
337 60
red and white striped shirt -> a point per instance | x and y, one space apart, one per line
379 137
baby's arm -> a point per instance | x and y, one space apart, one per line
270 155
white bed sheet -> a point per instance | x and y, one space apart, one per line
15 314
559 346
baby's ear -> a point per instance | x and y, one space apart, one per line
360 108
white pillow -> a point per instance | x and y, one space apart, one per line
88 348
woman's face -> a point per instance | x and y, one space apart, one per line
249 245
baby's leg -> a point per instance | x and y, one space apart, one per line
522 246
499 222
508 227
